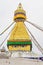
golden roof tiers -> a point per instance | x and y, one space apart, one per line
20 14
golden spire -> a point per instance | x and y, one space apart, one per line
19 38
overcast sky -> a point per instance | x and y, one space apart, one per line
34 12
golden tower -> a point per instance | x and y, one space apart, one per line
19 39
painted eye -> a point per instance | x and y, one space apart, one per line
23 46
15 46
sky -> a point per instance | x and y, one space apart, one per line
34 13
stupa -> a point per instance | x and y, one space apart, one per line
19 39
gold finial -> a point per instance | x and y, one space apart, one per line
20 6
20 13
